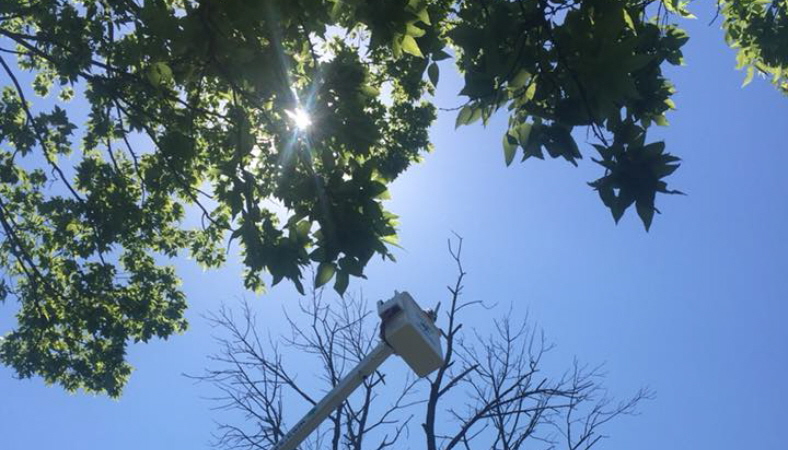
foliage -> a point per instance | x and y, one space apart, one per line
183 105
759 30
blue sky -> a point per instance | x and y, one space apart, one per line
694 309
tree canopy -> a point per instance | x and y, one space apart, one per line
229 107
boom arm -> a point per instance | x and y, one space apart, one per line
406 330
333 399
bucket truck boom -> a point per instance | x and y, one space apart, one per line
405 330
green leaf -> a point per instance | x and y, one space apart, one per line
341 283
299 286
325 271
433 72
66 94
159 73
424 16
665 170
464 117
509 148
749 77
351 266
646 213
318 254
607 195
529 93
410 46
369 91
391 239
520 79
396 46
628 20
524 133
653 149
3 291
303 229
476 114
385 195
413 30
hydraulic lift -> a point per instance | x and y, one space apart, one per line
405 330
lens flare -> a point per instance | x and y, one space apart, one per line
300 118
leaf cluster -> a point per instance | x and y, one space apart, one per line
559 65
184 105
758 29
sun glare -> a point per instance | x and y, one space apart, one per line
300 118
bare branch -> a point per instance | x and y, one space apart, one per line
503 398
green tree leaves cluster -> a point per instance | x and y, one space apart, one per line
560 65
182 104
758 29
187 105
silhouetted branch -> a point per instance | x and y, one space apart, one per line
490 392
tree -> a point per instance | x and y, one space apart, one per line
491 392
759 30
315 104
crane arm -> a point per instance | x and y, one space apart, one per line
335 397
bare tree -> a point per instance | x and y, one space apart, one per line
491 392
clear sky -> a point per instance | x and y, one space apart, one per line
694 309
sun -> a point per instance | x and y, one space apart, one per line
300 118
